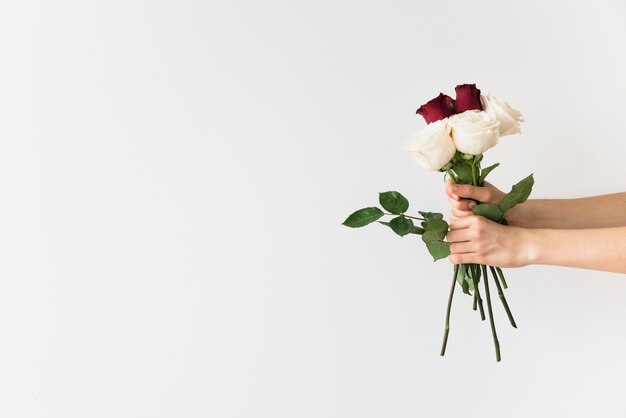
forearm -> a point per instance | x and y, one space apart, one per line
590 212
598 249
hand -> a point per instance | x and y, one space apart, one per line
477 240
463 196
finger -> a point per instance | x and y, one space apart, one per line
462 247
468 191
460 213
458 235
461 223
449 190
453 202
466 258
462 204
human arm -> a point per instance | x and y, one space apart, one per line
588 212
477 240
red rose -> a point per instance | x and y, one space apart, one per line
438 108
467 98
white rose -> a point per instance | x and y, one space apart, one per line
474 131
510 119
432 147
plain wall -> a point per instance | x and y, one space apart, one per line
173 175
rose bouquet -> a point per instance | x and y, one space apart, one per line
457 134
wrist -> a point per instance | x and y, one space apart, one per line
532 245
520 215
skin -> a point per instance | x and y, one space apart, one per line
585 233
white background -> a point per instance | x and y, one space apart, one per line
173 175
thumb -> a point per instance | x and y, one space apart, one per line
467 191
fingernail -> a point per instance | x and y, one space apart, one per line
455 188
455 197
470 204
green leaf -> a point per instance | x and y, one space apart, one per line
461 273
458 157
464 172
417 230
435 230
478 273
438 249
401 225
485 172
428 216
394 202
518 194
471 274
465 285
464 279
363 217
488 210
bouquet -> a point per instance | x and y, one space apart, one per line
457 134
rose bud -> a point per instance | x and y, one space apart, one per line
467 98
510 119
474 132
436 109
432 147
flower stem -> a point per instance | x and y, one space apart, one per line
474 306
499 270
477 297
501 294
447 330
493 325
406 216
413 217
474 182
452 177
